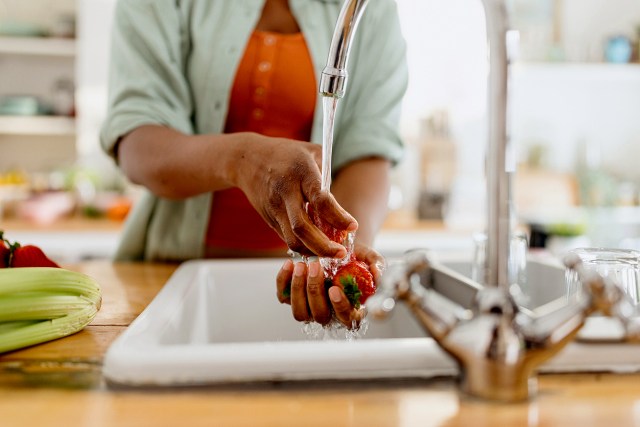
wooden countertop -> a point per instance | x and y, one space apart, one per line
396 220
60 384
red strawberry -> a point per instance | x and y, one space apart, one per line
331 232
30 256
356 281
4 253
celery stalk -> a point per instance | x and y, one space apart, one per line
39 304
46 330
38 307
10 326
47 279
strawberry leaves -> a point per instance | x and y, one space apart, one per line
356 282
351 290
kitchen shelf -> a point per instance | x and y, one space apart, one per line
579 70
41 46
37 125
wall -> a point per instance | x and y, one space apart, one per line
94 34
448 70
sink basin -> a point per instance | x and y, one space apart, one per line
218 321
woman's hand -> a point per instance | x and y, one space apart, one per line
279 176
303 287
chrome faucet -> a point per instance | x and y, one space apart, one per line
497 344
333 83
333 80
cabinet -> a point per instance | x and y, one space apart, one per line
37 125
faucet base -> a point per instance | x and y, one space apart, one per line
499 386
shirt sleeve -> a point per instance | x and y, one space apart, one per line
147 83
378 78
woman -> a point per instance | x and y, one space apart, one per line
210 105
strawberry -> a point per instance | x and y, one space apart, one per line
4 253
356 281
330 231
30 256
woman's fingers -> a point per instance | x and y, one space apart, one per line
299 306
316 294
328 208
307 296
373 259
303 286
312 241
283 282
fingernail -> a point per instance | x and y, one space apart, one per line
288 265
334 294
314 269
299 269
353 226
342 252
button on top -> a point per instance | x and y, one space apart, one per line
264 66
258 113
269 40
260 91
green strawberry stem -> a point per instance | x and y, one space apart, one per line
12 250
351 290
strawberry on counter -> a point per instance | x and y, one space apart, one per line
30 256
14 255
5 252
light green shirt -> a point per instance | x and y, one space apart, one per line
173 63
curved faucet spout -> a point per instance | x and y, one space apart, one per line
333 80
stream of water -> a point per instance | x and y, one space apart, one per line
329 106
334 330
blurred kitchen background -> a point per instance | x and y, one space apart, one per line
574 103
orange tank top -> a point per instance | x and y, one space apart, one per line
274 94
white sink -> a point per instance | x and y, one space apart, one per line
220 322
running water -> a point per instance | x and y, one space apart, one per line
329 105
335 331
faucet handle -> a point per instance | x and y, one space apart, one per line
411 280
